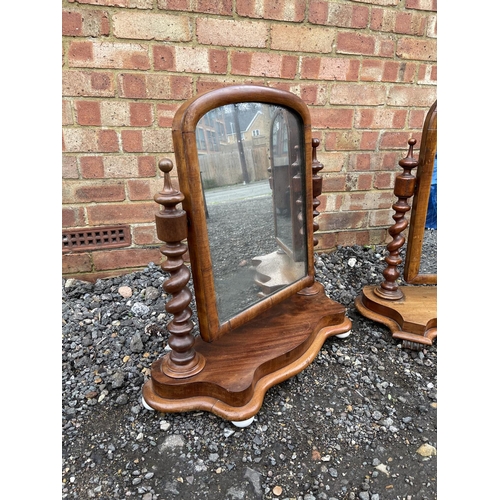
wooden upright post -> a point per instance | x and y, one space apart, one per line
404 188
171 226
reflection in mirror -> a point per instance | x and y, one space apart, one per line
250 161
428 262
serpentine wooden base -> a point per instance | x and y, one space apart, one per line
412 319
243 364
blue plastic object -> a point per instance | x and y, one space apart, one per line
431 218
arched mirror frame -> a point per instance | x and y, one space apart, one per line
188 171
420 203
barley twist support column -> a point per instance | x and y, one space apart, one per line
317 187
317 182
171 226
404 188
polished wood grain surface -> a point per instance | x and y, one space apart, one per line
243 364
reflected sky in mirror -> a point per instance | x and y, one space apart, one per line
250 158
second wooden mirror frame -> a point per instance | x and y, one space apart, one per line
228 368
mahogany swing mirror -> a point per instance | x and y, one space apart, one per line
409 311
248 185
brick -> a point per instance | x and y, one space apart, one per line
76 140
329 203
85 192
333 182
132 141
339 15
231 33
369 140
142 189
92 167
427 74
67 113
326 68
207 84
342 220
69 167
302 38
165 114
410 96
377 118
108 55
151 26
117 167
332 162
146 166
131 4
71 23
355 43
184 5
85 23
192 60
381 218
398 140
159 140
364 201
358 94
331 118
108 141
220 7
417 118
115 113
264 64
76 263
145 235
87 83
88 113
373 161
141 114
121 213
410 23
431 31
73 217
315 94
342 140
349 42
376 70
164 58
155 86
422 4
120 167
411 48
384 180
125 258
279 10
358 182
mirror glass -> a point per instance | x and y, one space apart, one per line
428 265
251 160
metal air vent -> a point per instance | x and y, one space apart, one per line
82 240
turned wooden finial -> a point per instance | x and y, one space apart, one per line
171 227
404 188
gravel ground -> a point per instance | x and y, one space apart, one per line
360 423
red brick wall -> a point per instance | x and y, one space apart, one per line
366 68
